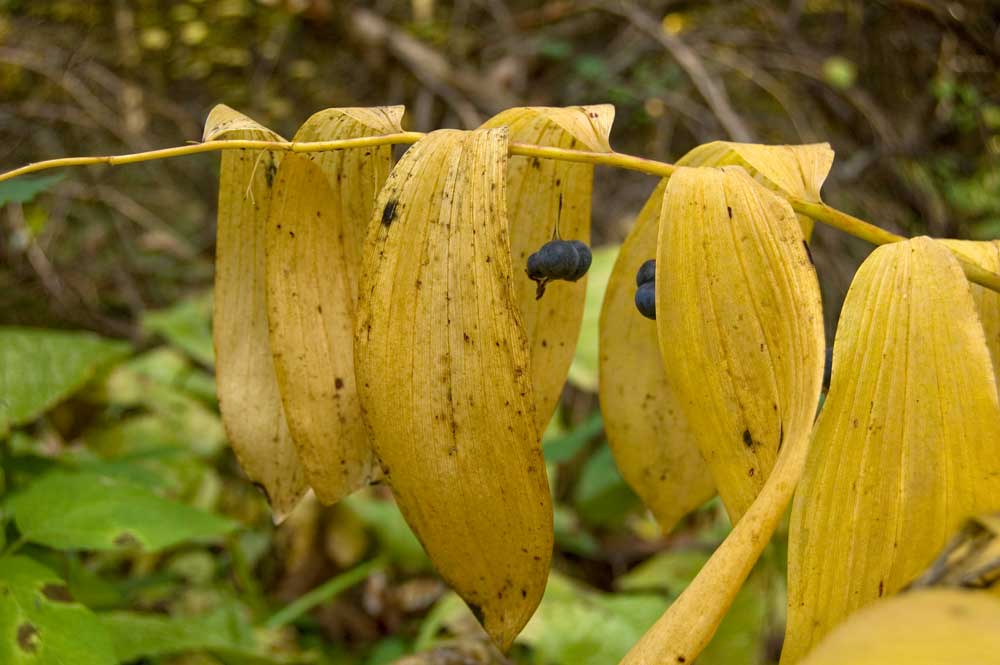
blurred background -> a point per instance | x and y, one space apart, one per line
906 91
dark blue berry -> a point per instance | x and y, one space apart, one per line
584 258
557 259
645 300
647 272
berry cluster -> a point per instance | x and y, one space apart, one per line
645 295
568 260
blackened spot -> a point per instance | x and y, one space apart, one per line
125 539
730 211
27 637
535 163
291 234
389 212
808 252
681 659
747 439
558 181
477 612
781 435
338 383
57 592
263 490
751 471
270 172
524 593
881 588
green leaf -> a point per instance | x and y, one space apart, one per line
576 625
565 446
583 371
39 368
88 511
394 535
23 190
601 495
147 636
40 624
187 325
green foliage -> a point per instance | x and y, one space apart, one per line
89 511
38 368
24 189
41 624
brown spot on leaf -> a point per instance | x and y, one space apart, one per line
57 592
125 539
389 212
747 439
338 383
27 638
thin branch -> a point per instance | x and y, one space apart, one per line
818 211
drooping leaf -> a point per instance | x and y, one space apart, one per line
930 627
905 448
740 326
247 386
322 204
41 623
794 170
987 255
443 371
85 511
651 441
39 368
544 195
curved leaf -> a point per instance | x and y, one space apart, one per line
739 321
932 627
246 383
740 324
443 372
544 194
321 206
987 255
652 444
794 170
905 448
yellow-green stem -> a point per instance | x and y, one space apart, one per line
817 211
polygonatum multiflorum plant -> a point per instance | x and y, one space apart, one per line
413 324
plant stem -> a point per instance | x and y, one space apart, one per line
818 211
324 592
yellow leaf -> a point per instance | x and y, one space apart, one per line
246 383
322 204
443 370
740 323
653 446
541 194
793 170
931 627
905 448
987 255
